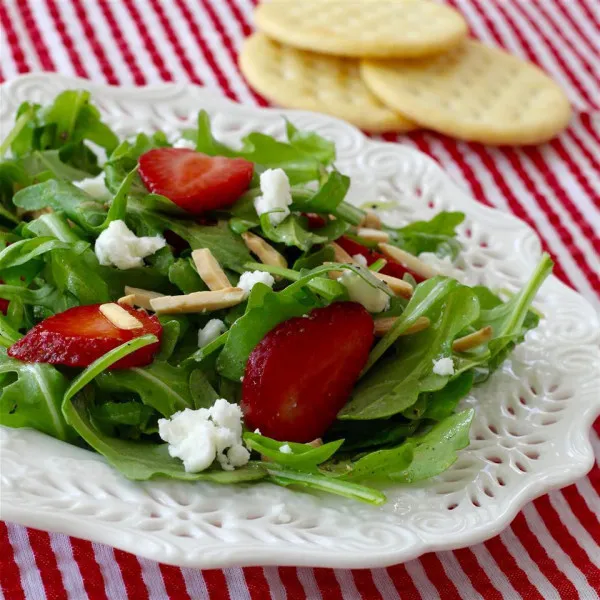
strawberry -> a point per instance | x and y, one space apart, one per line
392 268
315 221
80 335
3 303
302 372
194 181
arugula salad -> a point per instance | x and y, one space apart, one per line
195 311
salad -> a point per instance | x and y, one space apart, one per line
195 311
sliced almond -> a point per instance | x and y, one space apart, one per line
372 235
141 297
119 317
371 220
316 443
408 260
197 301
266 253
473 339
210 270
340 255
398 286
383 325
128 300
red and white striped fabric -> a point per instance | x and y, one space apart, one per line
551 550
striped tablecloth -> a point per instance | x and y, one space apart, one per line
551 550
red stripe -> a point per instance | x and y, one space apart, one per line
587 123
10 577
293 588
215 584
438 577
45 561
589 14
97 49
506 563
582 512
156 58
93 580
328 584
177 47
34 34
239 17
403 583
541 558
131 571
363 579
476 574
66 39
581 34
258 586
13 41
567 542
138 77
174 582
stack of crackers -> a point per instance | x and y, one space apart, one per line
399 65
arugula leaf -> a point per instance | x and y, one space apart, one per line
360 435
441 404
310 143
205 142
125 419
23 251
381 464
315 259
34 398
8 334
185 277
397 382
437 235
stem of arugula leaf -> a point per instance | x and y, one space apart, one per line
15 131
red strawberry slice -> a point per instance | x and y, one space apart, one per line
194 181
80 335
392 268
302 372
315 221
3 303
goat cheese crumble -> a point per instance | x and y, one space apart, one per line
250 278
276 195
94 186
183 143
286 449
118 246
199 437
443 366
210 332
360 259
373 299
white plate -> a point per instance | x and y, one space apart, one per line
530 433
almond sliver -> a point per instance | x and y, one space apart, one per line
340 255
266 253
197 302
119 317
141 297
383 325
210 270
398 286
408 260
371 220
372 235
473 339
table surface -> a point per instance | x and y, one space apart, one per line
551 550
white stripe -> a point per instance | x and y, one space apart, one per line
21 32
562 559
595 441
583 21
9 66
51 40
347 584
417 573
587 140
497 577
384 584
524 561
195 584
274 581
589 495
236 583
309 583
570 32
153 579
576 529
587 170
105 556
457 576
31 580
247 9
71 575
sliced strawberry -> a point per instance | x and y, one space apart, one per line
302 372
315 221
3 303
194 181
80 335
392 268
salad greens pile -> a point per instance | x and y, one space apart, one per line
401 422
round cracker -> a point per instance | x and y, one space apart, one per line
298 79
367 28
473 93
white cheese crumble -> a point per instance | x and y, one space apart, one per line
286 449
210 332
183 143
250 278
95 187
373 299
276 195
443 366
118 246
199 437
360 259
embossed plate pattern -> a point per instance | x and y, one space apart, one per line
530 432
